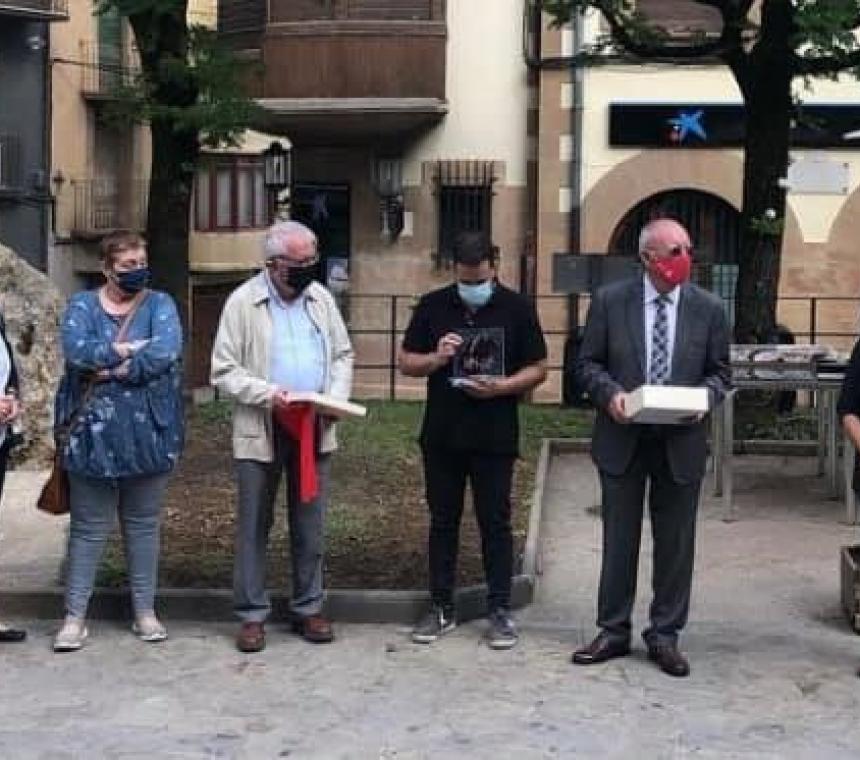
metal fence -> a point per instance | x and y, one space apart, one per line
377 324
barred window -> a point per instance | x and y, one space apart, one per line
464 191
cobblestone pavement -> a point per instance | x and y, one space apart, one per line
773 663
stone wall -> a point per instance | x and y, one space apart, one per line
32 306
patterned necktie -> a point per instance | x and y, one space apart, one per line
660 342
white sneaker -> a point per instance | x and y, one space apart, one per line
149 628
71 637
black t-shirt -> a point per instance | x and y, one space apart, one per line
452 418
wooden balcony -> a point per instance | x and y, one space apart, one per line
343 70
42 10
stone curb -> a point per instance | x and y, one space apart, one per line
210 605
342 605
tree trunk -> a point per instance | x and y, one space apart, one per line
162 40
764 76
762 216
168 219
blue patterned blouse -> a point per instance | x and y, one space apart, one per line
133 423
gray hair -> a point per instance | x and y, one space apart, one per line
647 232
281 235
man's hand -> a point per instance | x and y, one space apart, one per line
447 348
483 388
616 409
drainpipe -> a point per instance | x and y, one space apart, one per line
574 231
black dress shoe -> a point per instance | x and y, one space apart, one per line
12 635
600 650
669 660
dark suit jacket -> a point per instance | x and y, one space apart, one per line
612 359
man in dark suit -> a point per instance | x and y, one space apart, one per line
656 329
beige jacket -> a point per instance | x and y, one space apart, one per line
240 363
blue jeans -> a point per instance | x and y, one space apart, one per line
94 504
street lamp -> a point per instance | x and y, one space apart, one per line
387 180
277 176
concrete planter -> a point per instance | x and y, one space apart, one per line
850 584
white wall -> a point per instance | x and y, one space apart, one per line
486 90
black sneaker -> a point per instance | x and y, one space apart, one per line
436 622
502 633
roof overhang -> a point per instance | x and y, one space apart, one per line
350 121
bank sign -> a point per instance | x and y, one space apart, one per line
722 125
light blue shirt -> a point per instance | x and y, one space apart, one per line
297 361
649 302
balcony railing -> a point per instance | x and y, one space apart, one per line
106 69
355 10
238 16
47 10
105 204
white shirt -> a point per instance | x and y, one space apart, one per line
297 350
649 304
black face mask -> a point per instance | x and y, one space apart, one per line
133 281
298 278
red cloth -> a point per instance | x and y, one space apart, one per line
299 421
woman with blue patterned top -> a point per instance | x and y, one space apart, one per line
123 402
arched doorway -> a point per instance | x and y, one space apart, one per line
714 227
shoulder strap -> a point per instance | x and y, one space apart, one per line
126 323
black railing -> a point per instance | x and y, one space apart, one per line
106 69
105 204
377 324
48 9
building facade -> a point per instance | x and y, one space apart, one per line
408 120
25 77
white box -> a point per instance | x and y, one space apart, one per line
665 404
328 404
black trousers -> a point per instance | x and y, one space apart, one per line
490 476
673 509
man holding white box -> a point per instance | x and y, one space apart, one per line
281 340
656 331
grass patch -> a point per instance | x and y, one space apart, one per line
377 520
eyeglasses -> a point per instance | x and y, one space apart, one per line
677 250
282 262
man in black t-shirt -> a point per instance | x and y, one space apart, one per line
481 347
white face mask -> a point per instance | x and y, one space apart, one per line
475 295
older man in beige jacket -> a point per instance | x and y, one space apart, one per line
280 332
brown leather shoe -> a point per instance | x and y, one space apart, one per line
314 628
251 637
600 650
669 660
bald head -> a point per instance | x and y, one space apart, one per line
665 252
660 231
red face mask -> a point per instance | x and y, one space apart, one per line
675 269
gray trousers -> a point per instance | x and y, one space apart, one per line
95 503
673 508
258 486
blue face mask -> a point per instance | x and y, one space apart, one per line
475 295
133 281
